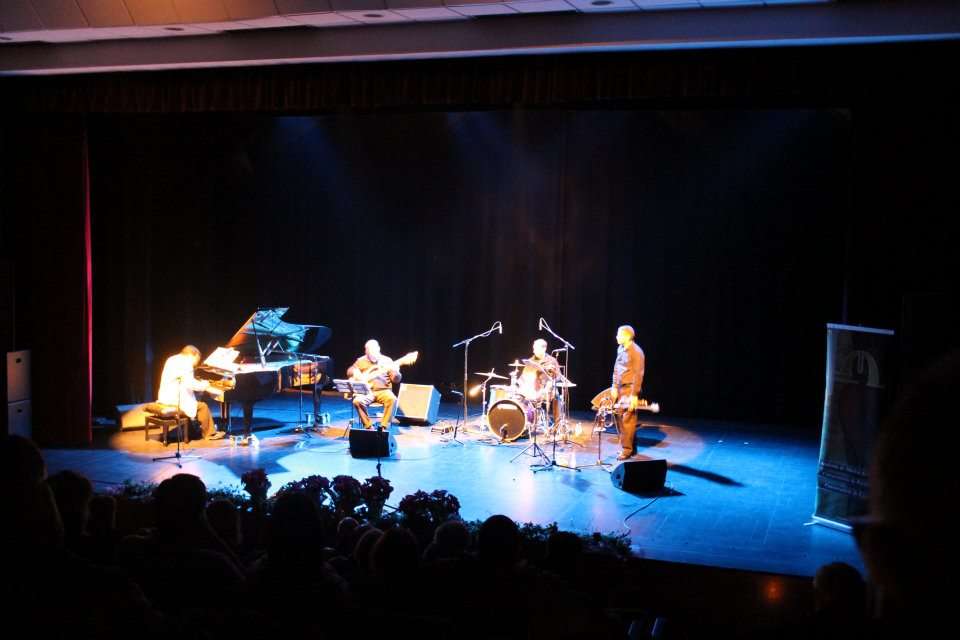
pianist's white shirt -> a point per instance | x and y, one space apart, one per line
177 384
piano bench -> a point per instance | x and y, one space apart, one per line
165 417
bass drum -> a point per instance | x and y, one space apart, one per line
511 418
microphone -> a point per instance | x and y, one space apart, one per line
455 392
559 350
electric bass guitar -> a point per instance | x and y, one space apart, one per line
603 402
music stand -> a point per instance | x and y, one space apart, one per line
302 427
600 427
351 388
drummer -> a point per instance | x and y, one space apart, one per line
539 375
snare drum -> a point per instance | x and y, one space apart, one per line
510 418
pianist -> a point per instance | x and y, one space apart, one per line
177 387
381 373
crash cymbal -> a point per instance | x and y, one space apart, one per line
566 384
490 374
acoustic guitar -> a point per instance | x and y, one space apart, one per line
379 369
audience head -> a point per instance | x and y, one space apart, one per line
908 539
224 519
395 556
839 588
347 535
21 464
361 553
498 541
72 493
294 526
103 515
32 516
564 551
450 540
179 502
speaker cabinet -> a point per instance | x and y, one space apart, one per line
645 477
18 376
19 419
418 404
366 443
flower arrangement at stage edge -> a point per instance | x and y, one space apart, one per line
375 492
256 483
347 495
430 508
317 487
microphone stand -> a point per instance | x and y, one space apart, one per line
304 427
179 457
497 326
566 364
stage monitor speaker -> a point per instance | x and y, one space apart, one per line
645 477
418 404
367 443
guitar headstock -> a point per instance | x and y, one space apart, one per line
408 359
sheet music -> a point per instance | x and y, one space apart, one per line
223 358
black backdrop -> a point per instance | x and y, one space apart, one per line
679 191
711 231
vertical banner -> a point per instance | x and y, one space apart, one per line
857 375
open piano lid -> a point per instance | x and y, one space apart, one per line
264 333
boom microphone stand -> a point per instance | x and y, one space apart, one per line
552 462
498 327
567 348
179 457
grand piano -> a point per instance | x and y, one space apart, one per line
265 356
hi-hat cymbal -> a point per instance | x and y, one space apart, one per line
566 384
490 374
516 363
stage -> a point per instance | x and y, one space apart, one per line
737 496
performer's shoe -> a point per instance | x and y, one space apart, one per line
624 455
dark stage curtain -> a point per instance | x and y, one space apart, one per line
707 230
46 184
497 189
788 76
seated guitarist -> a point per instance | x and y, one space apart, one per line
381 373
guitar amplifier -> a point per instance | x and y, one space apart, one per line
418 404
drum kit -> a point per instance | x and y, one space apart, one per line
519 408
